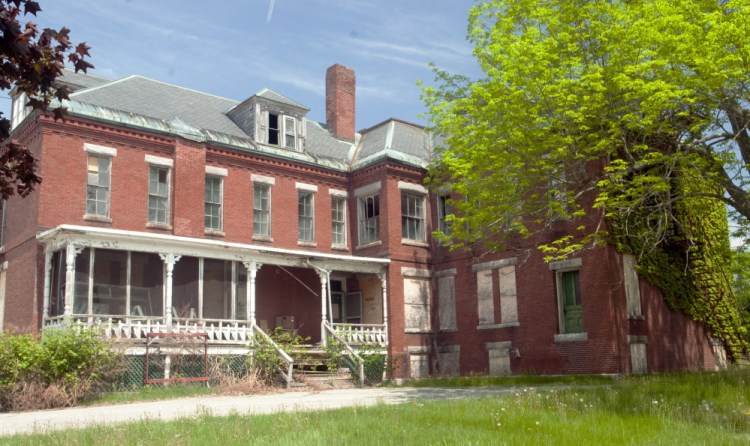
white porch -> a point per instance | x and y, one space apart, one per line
129 307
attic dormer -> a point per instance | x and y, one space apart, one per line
272 119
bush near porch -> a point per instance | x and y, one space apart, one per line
59 369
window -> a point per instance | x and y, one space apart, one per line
447 300
443 211
416 300
345 307
412 217
261 210
497 304
279 125
338 221
158 194
273 129
632 290
290 132
306 219
20 109
569 290
369 211
97 186
213 203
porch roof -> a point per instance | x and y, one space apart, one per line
86 236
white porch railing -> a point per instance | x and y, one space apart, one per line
358 334
219 331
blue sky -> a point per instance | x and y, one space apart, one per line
230 48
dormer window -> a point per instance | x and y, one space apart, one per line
279 125
20 109
290 132
273 129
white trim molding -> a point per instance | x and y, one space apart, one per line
99 150
217 171
262 179
159 161
307 187
412 187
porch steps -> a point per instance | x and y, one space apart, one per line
311 368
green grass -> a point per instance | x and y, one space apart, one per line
674 409
517 380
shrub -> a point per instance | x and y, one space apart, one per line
267 360
60 369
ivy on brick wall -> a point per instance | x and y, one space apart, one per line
692 266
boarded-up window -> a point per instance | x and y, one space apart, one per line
447 302
508 305
632 291
416 304
489 301
485 294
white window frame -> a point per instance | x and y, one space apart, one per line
103 175
443 209
20 110
155 198
305 216
208 225
338 218
260 185
417 195
413 217
286 130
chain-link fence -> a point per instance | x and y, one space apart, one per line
185 366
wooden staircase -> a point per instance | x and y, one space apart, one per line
312 369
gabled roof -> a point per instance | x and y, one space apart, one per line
154 105
155 99
396 139
77 81
276 97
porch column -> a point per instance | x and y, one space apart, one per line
324 275
71 251
169 260
252 271
384 285
47 284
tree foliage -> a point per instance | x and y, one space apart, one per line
30 61
654 88
627 120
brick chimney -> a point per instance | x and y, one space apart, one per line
340 86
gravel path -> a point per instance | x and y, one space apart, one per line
79 417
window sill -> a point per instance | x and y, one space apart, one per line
214 232
99 218
494 326
162 226
307 244
339 248
448 330
262 238
417 330
410 242
571 337
636 317
369 245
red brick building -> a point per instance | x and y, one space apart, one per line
167 209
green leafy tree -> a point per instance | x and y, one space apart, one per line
30 61
650 89
625 122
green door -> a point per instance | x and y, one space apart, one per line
572 308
